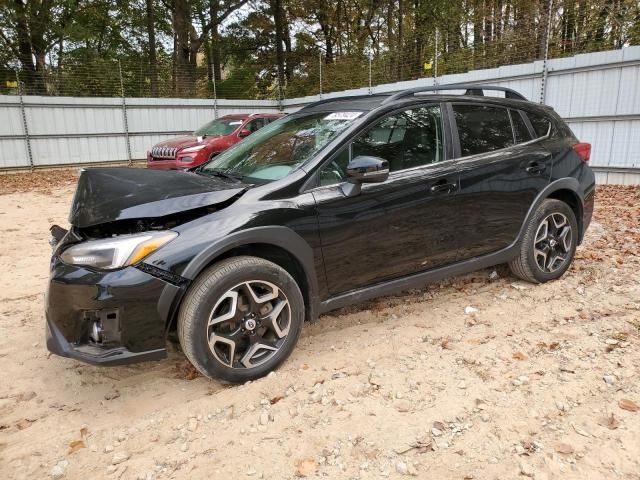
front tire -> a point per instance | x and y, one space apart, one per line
549 243
240 319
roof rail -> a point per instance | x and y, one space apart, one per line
477 90
335 99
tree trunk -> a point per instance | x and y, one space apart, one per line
276 9
186 48
151 33
215 40
31 80
542 35
400 40
288 50
478 35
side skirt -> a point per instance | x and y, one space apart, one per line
419 279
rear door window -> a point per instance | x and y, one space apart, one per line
520 131
255 125
482 128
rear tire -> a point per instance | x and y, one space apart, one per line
549 243
240 319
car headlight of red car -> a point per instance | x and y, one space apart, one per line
195 149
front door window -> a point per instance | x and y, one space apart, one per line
407 139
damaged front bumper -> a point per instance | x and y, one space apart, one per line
107 317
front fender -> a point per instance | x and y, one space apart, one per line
278 236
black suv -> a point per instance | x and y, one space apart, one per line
344 200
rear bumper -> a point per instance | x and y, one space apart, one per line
587 210
127 306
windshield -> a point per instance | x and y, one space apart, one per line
279 148
218 127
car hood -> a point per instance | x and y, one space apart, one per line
187 141
109 194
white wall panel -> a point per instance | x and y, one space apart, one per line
598 94
10 120
13 153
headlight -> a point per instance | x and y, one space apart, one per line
116 252
197 148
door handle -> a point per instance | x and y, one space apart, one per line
535 168
443 186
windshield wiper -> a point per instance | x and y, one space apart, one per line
222 174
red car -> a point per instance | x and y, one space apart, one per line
209 140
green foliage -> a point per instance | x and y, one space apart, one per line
228 47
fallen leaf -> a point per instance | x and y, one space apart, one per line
25 396
276 399
75 446
610 422
24 423
112 395
305 467
564 448
425 446
440 426
519 356
554 346
579 431
628 405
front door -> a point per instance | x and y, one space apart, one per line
397 227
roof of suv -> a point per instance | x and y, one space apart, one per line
371 102
244 116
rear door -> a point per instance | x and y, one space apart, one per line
502 169
397 227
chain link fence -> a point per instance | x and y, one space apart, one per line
141 104
492 36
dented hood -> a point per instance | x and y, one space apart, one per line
108 194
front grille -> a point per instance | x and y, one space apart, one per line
163 153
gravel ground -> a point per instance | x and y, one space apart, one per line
480 376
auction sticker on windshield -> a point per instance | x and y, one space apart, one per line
343 115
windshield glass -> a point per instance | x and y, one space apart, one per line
218 127
279 148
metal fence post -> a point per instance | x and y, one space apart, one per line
545 70
320 67
435 67
124 114
370 86
25 126
215 98
280 95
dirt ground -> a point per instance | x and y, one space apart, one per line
481 376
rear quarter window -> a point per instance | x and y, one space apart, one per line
540 123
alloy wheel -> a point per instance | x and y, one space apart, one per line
552 244
249 324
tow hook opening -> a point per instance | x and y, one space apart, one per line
103 326
96 331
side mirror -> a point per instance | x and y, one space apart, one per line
244 133
365 169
